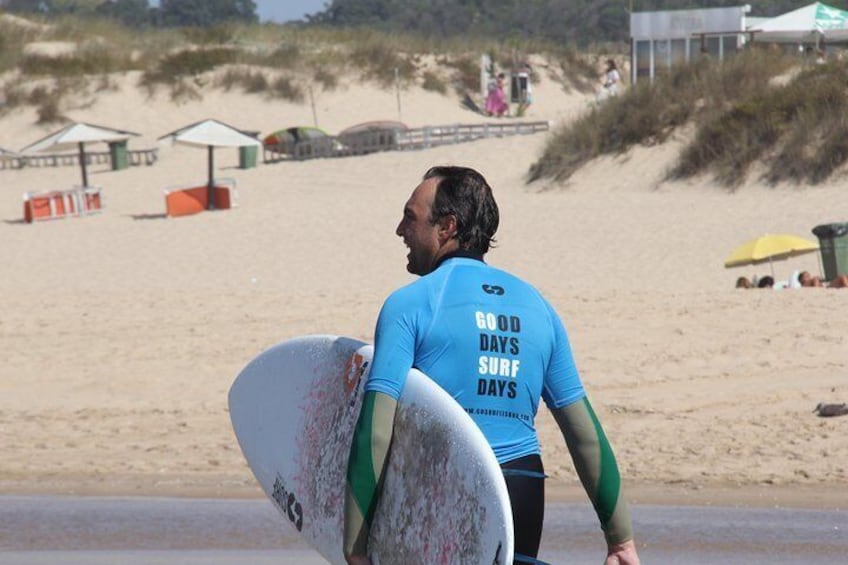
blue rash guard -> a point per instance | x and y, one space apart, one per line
488 338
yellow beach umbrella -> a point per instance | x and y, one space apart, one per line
769 247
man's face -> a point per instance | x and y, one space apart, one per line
420 236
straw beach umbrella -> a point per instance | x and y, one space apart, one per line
75 136
211 134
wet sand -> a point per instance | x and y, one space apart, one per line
36 530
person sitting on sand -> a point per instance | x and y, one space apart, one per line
496 104
766 282
743 282
808 280
840 281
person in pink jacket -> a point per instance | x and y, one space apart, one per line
496 104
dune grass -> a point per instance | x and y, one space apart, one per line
798 130
746 110
12 40
289 60
741 112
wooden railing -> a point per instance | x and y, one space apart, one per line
135 158
396 140
432 136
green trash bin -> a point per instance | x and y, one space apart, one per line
247 156
833 245
118 154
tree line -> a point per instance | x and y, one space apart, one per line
139 13
572 22
575 22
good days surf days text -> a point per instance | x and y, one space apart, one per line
501 371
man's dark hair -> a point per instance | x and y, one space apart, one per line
464 193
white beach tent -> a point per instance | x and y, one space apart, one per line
810 24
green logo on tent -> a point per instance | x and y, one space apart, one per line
830 18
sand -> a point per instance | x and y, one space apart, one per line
122 332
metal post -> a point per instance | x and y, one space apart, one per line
210 188
82 164
397 89
314 113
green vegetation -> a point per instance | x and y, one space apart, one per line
466 72
191 62
327 79
745 110
279 61
12 39
433 82
566 22
749 109
798 130
249 80
383 62
139 13
48 108
87 62
287 88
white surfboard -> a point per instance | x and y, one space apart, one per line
444 499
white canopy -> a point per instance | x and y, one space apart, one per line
211 133
810 23
75 136
70 137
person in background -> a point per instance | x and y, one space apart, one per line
525 90
808 280
840 281
743 282
496 104
497 347
611 79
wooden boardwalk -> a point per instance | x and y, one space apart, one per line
361 143
135 158
396 140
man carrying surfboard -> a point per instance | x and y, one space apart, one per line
497 346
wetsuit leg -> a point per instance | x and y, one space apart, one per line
525 481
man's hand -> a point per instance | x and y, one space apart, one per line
357 560
622 554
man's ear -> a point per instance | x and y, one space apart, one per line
447 227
